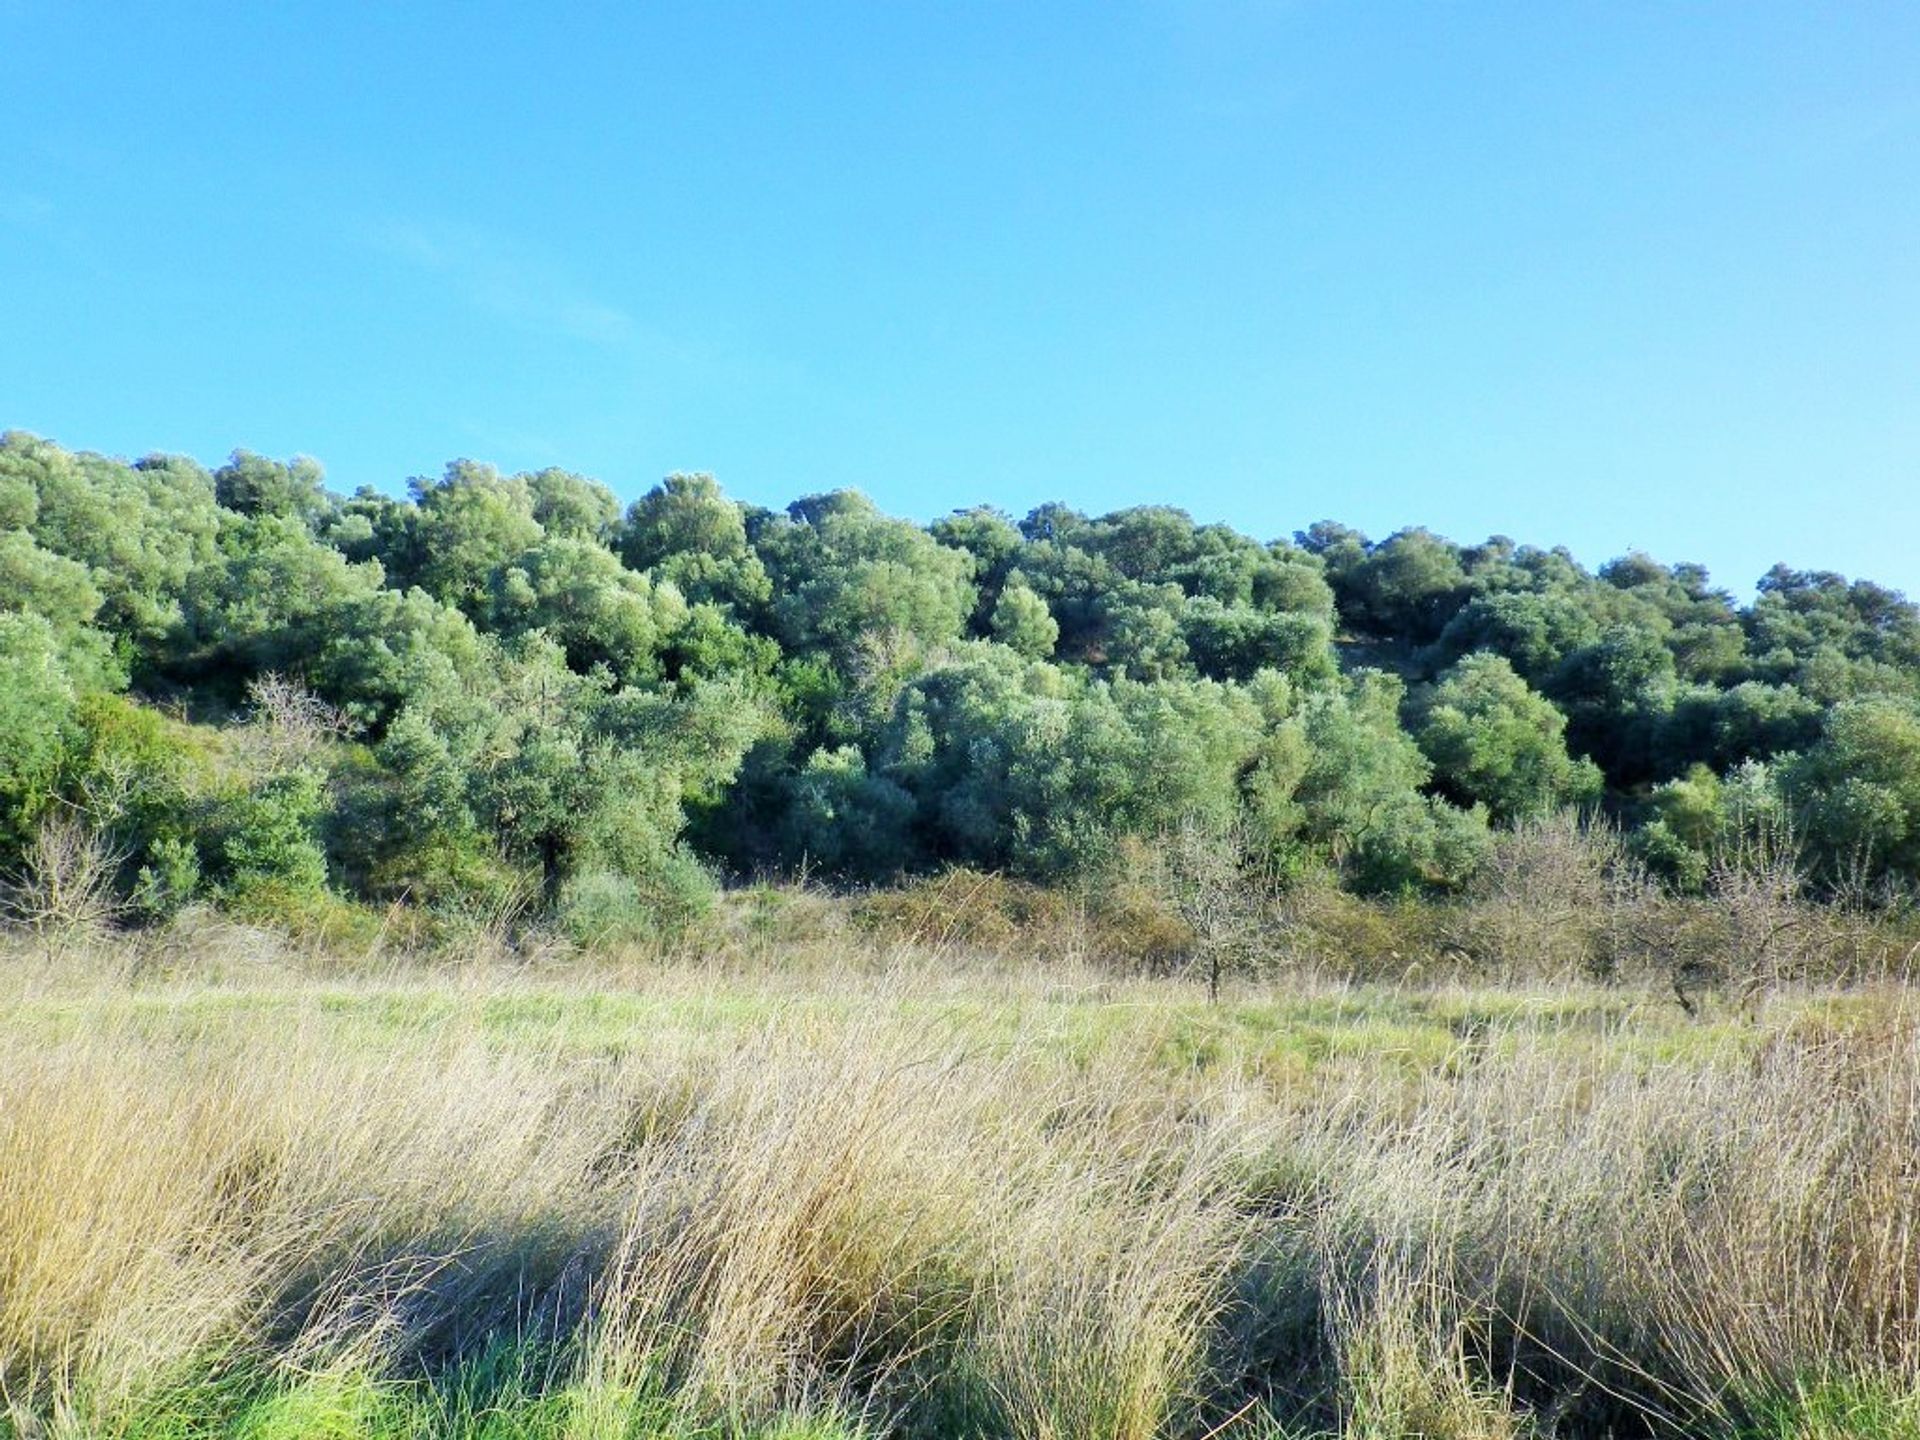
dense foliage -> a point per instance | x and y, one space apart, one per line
504 685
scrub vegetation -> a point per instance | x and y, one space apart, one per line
505 696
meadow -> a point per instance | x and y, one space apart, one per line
901 1190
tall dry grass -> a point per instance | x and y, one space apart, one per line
1676 1246
946 1226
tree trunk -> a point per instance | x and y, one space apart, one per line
550 871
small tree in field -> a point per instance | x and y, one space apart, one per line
1547 898
1219 889
64 888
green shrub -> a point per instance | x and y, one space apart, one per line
37 727
169 879
598 909
269 836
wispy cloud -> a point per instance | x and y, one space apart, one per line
490 273
18 207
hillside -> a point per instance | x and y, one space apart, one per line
247 689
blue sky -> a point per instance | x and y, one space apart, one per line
1604 274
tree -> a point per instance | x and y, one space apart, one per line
1219 887
990 537
1141 634
572 507
1052 521
39 720
1028 768
687 532
141 530
1145 543
1235 571
1722 728
1022 622
268 843
598 611
1534 632
1232 642
1858 790
470 522
271 600
1493 741
1408 586
1078 587
1614 693
571 774
251 484
1356 780
385 649
844 820
39 582
846 573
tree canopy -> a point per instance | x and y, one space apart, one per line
617 706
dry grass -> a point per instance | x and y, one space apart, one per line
1051 1205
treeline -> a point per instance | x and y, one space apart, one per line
244 688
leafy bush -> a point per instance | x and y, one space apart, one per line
601 910
168 880
268 837
39 720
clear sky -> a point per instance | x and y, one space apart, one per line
1604 274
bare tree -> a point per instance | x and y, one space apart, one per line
1758 887
1220 890
1547 900
1756 927
288 725
66 886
